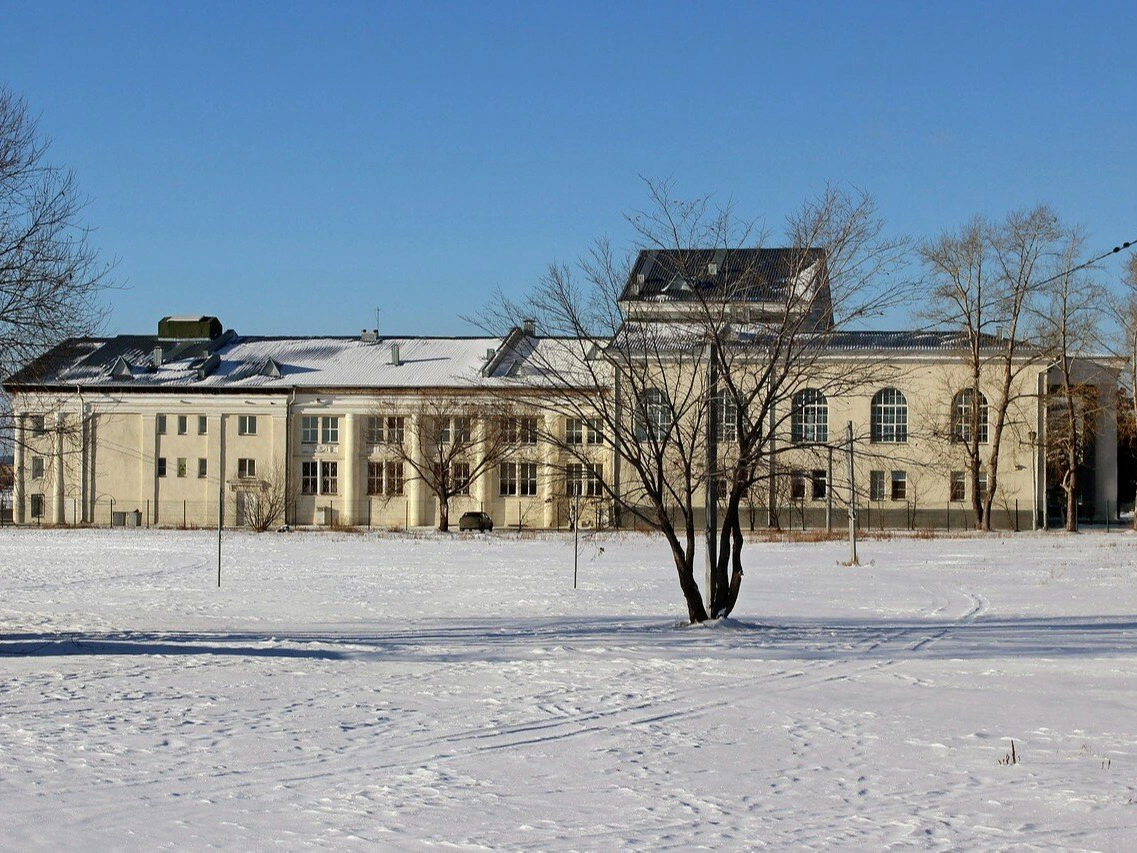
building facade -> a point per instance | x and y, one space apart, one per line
197 425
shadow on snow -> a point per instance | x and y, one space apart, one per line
502 639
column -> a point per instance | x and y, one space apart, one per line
350 465
413 485
58 509
550 476
19 511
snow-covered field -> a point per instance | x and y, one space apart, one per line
367 691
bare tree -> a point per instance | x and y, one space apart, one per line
1125 313
266 502
1069 321
452 443
694 382
51 278
983 281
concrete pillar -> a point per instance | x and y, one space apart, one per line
350 468
19 510
550 474
58 508
413 484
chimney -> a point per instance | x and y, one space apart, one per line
158 355
529 327
395 355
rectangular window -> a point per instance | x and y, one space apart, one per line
820 483
899 485
595 431
309 429
394 484
246 468
395 429
183 468
574 479
958 486
202 424
507 479
183 424
246 425
374 430
38 425
161 466
574 431
528 430
463 429
160 424
876 485
595 474
329 478
460 477
374 478
527 478
982 485
37 467
37 506
309 478
797 485
202 468
329 430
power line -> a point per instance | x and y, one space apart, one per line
1115 250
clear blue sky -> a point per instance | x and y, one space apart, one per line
292 166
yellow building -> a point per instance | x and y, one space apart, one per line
197 423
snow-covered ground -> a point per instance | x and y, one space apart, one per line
367 691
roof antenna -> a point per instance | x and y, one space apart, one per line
377 313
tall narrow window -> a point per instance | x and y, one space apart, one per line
889 417
37 467
460 478
507 479
374 478
726 417
876 485
183 424
202 424
395 478
160 424
574 479
375 430
654 414
958 486
329 478
899 485
161 466
527 478
183 466
309 429
969 416
309 478
395 429
202 468
329 430
820 482
809 417
574 431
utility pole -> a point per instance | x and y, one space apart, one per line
710 514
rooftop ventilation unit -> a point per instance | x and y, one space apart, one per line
712 269
529 327
395 355
191 328
157 359
369 336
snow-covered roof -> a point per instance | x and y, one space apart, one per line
234 362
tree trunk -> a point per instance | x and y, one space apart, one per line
444 515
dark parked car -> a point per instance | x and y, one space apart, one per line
475 521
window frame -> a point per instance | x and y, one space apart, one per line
962 409
809 417
246 468
246 424
889 417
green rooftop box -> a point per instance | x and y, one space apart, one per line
181 328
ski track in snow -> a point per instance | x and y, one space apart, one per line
367 692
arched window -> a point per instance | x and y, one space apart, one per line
809 420
655 414
726 417
968 413
890 417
